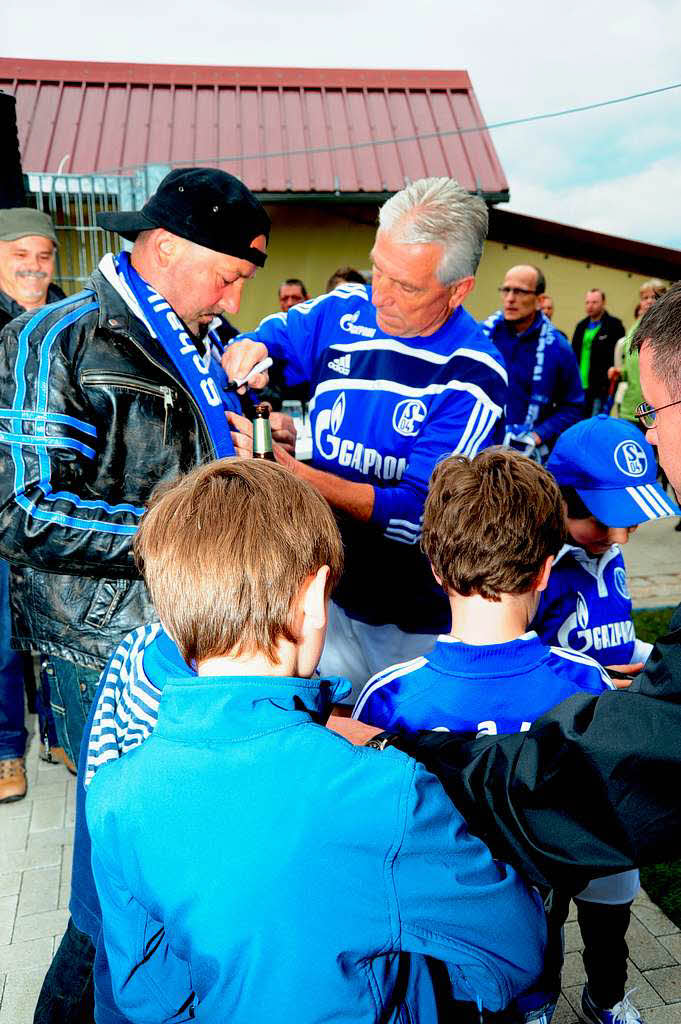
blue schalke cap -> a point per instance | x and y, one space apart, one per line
612 467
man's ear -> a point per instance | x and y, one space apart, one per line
164 245
459 291
314 604
542 580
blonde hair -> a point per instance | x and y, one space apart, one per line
225 551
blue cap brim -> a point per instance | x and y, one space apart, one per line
629 506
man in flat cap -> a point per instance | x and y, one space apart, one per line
104 395
27 247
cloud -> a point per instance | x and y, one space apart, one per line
639 206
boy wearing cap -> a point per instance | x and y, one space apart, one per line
606 472
492 528
229 900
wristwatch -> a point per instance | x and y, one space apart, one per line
383 740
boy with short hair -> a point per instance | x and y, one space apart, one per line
492 528
222 845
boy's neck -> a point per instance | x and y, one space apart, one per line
255 665
478 621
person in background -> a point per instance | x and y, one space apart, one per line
348 274
593 342
628 372
545 395
291 292
28 244
547 307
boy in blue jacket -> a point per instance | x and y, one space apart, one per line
223 844
492 528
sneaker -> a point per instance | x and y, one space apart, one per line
623 1012
12 780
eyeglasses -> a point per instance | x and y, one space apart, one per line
505 290
648 416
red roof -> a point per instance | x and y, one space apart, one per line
282 130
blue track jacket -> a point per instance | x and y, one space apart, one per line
254 866
384 412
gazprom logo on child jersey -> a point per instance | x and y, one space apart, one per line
348 322
597 638
630 458
352 453
408 415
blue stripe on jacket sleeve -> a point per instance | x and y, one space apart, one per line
19 441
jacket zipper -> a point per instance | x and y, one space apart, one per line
209 446
90 378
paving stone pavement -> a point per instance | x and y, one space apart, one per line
36 846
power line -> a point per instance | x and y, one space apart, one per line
446 133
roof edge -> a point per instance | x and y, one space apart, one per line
583 245
195 74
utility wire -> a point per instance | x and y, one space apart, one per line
419 137
440 134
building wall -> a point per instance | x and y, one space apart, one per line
567 280
310 242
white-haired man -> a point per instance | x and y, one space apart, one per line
400 376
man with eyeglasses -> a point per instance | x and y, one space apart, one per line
545 394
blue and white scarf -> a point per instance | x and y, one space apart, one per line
177 343
540 384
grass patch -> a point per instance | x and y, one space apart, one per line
662 882
651 623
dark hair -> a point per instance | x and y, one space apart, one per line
660 327
491 522
294 280
348 274
576 509
599 290
540 286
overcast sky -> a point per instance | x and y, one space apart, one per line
616 169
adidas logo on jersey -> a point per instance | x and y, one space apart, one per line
341 365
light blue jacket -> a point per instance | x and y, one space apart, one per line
253 866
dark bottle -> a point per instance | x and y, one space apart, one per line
262 433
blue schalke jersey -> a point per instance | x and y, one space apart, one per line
587 606
383 412
489 689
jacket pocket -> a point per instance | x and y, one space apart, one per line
129 382
106 599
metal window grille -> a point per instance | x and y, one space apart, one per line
73 202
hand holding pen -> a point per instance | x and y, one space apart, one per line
244 363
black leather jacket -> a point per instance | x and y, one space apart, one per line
98 418
9 309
